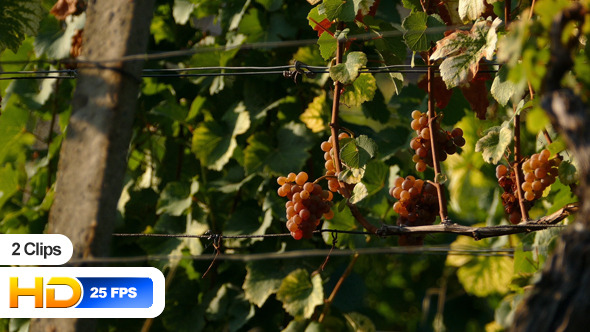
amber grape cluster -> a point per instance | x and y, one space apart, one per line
447 142
507 180
308 202
539 173
328 149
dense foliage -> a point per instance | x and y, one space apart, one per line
206 153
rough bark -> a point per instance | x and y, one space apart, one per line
93 156
560 301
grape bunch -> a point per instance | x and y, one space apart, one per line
307 203
539 173
417 205
328 149
447 142
507 180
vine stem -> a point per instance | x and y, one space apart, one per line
517 157
442 201
334 127
330 299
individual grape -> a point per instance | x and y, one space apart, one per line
415 124
304 214
420 166
457 132
425 133
501 170
304 194
301 178
329 215
529 195
416 115
515 217
281 180
326 146
343 135
291 177
459 141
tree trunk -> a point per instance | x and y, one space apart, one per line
93 156
560 301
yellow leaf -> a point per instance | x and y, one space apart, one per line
317 114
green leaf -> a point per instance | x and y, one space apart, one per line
317 115
362 90
262 280
355 153
359 322
567 173
182 10
8 183
470 10
524 262
416 36
463 51
300 294
358 193
18 19
289 154
230 307
342 10
536 120
502 88
557 146
327 45
214 143
494 143
481 275
176 197
348 71
13 124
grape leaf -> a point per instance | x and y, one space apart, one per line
502 88
362 89
182 10
300 294
214 143
359 322
342 10
494 143
567 173
476 93
440 93
230 306
175 198
317 115
290 153
8 183
262 280
363 7
359 193
470 10
17 20
318 22
416 36
463 51
348 71
327 45
355 153
481 275
536 120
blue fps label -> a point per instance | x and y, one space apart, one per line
116 293
81 292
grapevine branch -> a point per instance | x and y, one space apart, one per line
334 127
483 232
442 201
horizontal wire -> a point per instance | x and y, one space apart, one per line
246 46
248 236
295 254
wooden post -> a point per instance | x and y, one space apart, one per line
93 160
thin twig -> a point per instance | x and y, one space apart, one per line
442 201
330 299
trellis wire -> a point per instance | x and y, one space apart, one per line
295 254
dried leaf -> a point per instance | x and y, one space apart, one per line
64 8
440 93
463 51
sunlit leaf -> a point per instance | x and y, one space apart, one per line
262 280
301 293
494 143
17 20
182 10
362 90
502 88
356 152
348 71
317 115
342 10
471 9
481 275
463 50
416 36
359 322
536 120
